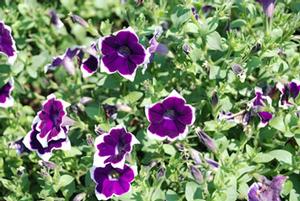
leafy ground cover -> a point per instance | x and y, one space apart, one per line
197 100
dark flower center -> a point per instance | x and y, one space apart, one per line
124 51
170 114
114 175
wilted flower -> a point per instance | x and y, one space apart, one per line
195 155
228 116
110 111
66 60
77 19
122 53
258 103
6 100
49 129
55 20
7 43
206 140
112 147
161 172
266 190
214 99
170 118
112 181
290 90
186 48
239 71
268 6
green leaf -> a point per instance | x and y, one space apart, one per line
169 149
278 123
193 192
238 23
65 180
281 155
214 41
133 96
262 158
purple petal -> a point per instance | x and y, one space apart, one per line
6 100
7 43
268 6
55 20
89 66
265 117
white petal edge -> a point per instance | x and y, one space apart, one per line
11 59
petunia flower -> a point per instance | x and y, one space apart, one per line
6 100
266 190
122 53
7 43
113 147
90 65
170 118
112 181
268 6
258 103
49 128
55 20
65 60
32 142
290 90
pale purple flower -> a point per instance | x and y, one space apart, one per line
113 147
123 53
206 140
79 20
268 6
170 118
266 190
112 181
55 20
7 43
6 100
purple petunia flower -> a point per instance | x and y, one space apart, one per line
49 128
268 6
290 90
66 60
122 53
112 147
112 181
7 43
31 141
55 20
266 190
90 65
258 103
6 100
170 118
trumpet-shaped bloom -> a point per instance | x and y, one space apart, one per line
122 53
112 181
170 118
6 100
7 43
112 147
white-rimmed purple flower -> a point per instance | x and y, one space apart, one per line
50 120
258 104
268 6
290 90
122 53
7 43
49 128
112 181
32 142
113 147
266 190
170 118
6 100
65 60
